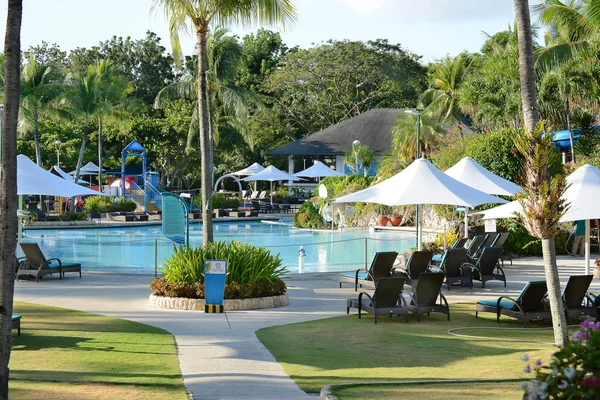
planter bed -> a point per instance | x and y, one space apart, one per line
182 303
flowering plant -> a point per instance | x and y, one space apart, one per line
573 373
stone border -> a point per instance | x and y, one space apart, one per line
182 303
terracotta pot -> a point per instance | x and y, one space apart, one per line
382 220
396 220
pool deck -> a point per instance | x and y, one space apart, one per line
220 356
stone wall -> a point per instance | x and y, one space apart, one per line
180 303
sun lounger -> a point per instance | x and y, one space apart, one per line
16 323
528 306
487 267
474 244
38 266
576 300
458 244
424 296
381 267
417 263
455 269
488 241
386 299
121 217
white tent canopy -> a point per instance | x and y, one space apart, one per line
470 172
251 170
318 170
581 197
421 183
56 170
271 174
34 180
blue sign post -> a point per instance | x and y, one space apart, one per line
215 272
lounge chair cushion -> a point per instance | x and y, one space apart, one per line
54 264
361 275
504 304
437 258
16 317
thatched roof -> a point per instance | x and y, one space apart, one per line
372 128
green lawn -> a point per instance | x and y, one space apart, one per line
91 357
346 349
449 391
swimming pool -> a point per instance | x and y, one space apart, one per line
135 250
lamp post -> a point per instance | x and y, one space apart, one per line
355 149
417 112
57 147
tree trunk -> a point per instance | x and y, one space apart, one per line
8 184
568 118
100 154
559 322
531 115
205 144
36 139
211 133
80 159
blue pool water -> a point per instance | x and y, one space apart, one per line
134 250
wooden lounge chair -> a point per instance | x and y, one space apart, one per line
417 263
576 299
455 269
528 306
425 294
458 244
16 323
381 267
37 265
386 299
486 264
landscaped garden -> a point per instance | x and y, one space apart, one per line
70 354
348 350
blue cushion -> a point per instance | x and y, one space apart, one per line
504 304
437 258
54 264
16 317
361 275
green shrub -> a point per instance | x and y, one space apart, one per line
308 216
124 205
522 243
245 263
231 203
99 203
233 290
79 216
218 201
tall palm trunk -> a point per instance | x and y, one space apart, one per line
36 139
100 154
8 184
568 119
531 118
205 143
84 139
211 132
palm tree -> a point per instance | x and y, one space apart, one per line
38 90
114 89
8 183
202 14
404 139
445 78
541 199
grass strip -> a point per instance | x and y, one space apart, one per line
63 353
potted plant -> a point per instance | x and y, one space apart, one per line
397 215
382 217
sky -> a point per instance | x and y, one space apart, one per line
430 28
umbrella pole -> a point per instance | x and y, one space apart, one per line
587 246
418 229
271 193
466 236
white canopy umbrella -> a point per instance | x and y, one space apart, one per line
251 170
34 180
421 183
58 171
581 197
88 169
271 174
470 172
318 170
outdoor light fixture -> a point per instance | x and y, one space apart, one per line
355 148
417 112
57 146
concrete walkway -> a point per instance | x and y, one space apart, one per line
222 362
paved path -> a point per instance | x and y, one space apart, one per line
219 362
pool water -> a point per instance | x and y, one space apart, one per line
136 250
